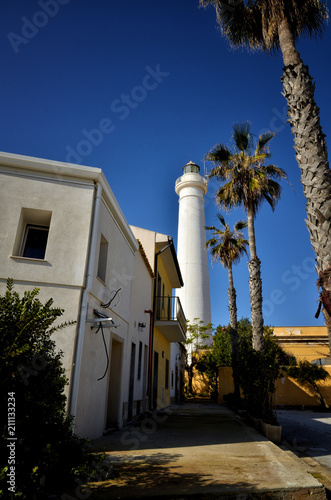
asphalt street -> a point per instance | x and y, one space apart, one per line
308 432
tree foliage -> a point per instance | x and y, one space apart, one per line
48 455
197 331
258 371
248 181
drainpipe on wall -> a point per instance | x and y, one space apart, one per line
149 379
84 305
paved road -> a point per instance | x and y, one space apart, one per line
308 432
200 451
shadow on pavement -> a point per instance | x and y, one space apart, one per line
157 477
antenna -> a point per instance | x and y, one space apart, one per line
204 168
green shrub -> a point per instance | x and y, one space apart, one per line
47 456
259 372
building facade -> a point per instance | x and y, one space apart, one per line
305 343
63 232
168 322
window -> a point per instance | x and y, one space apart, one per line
167 374
103 254
35 241
140 359
32 233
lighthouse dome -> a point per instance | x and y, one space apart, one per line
191 167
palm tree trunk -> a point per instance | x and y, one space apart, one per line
311 155
255 286
234 334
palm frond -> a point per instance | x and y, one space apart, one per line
225 245
218 154
264 139
242 136
240 225
221 219
254 24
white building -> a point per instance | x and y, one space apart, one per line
63 231
191 188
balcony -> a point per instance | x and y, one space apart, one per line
170 319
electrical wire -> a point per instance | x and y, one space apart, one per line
112 298
104 343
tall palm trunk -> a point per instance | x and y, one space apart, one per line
311 155
234 334
255 286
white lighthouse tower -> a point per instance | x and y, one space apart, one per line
191 188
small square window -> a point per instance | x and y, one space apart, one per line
103 254
32 233
35 241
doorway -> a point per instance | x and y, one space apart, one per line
155 378
131 381
114 384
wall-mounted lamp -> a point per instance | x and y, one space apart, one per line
178 357
141 326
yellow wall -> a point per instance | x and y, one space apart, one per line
161 345
304 342
225 382
288 391
200 383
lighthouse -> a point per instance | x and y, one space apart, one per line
191 188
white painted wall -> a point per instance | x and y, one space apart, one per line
61 275
68 192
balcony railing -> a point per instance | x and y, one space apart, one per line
169 309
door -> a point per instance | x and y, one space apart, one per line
155 378
114 384
131 381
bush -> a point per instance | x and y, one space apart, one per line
259 372
47 456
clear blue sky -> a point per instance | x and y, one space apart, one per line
162 88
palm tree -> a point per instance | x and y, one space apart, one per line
248 182
228 247
271 25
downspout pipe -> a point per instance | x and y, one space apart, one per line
149 379
73 402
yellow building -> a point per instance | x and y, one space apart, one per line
168 323
310 343
303 342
